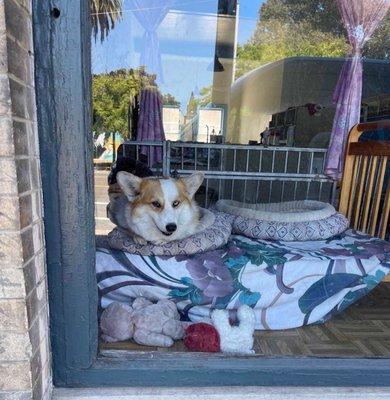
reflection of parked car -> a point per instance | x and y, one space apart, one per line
291 90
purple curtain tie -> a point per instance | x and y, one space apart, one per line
360 18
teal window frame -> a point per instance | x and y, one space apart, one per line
62 34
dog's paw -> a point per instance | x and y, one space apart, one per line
140 240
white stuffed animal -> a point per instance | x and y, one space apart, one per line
235 339
146 323
116 324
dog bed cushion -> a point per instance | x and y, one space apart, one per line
214 231
287 221
288 284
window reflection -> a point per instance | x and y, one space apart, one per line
228 71
248 72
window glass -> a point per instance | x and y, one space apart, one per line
252 93
228 68
245 72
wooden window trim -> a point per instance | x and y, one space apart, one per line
62 68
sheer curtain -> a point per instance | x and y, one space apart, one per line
360 18
150 14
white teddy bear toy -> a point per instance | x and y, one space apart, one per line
235 339
146 323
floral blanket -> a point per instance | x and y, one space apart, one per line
288 284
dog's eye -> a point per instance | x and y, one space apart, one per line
156 204
175 203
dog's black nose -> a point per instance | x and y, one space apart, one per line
171 228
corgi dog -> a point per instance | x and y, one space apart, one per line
157 210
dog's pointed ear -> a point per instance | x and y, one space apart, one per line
193 182
129 183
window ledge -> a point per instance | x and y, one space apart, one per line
224 393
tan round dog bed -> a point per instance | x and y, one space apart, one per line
287 221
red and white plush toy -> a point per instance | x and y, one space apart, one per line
222 336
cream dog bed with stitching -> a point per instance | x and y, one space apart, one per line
288 221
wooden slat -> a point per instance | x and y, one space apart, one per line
378 194
346 184
359 196
367 200
370 148
385 214
362 184
372 126
356 164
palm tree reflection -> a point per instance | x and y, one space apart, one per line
104 14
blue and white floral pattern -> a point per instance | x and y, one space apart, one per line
288 284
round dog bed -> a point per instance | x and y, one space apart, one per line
288 221
214 231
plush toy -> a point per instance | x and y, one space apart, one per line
235 339
222 336
158 324
116 324
202 337
146 323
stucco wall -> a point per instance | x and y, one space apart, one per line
24 340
